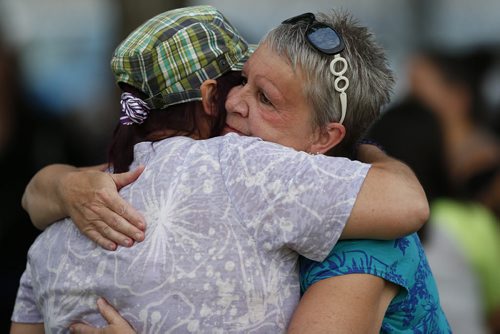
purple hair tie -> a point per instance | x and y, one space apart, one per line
134 110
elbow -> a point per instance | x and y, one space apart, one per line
37 223
416 206
411 217
422 214
24 201
417 215
26 204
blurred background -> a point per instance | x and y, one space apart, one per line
58 104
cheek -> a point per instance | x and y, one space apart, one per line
285 124
261 127
274 129
264 125
272 120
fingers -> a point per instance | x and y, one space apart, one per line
105 235
85 329
117 324
122 207
123 179
104 227
120 216
98 210
99 239
109 313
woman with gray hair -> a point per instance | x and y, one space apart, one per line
348 89
392 278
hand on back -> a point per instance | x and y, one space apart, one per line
117 324
91 199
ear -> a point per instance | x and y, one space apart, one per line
208 89
327 138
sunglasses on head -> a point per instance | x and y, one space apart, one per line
319 35
328 41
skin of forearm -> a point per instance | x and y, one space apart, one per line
42 196
392 199
20 328
409 192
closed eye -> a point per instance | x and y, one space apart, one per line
264 99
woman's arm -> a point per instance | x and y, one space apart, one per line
41 198
354 303
391 202
21 328
90 197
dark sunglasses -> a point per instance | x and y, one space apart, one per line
319 35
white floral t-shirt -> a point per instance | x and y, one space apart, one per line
226 220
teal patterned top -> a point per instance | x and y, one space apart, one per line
416 308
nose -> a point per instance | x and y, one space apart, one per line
235 102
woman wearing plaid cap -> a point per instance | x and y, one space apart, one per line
235 271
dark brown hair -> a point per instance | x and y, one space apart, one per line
180 119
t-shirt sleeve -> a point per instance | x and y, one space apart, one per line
25 309
392 260
290 198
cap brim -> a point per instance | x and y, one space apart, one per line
239 65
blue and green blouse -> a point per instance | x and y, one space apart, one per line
416 307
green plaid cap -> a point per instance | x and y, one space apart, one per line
172 54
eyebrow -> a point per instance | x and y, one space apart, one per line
270 88
263 83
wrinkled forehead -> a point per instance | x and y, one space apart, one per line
264 54
273 75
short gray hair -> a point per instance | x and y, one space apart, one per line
370 78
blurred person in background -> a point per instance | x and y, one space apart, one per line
451 85
412 133
29 139
462 239
19 132
62 47
40 65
